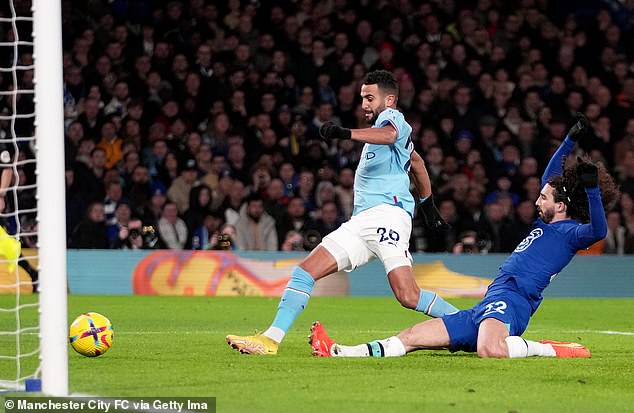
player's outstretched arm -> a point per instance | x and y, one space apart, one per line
597 229
379 136
554 167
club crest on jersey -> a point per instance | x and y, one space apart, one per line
536 233
370 155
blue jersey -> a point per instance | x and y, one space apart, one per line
549 247
382 176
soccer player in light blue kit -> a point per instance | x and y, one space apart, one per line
381 223
494 326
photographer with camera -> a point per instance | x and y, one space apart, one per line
205 236
295 218
226 240
136 236
294 241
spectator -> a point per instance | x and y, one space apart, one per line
204 156
289 178
171 229
91 118
217 166
90 233
325 192
226 240
294 241
217 133
139 190
169 169
74 135
329 219
199 207
255 229
344 192
496 225
233 202
261 179
236 161
151 210
468 243
306 189
130 161
89 173
180 188
276 201
118 105
206 235
123 214
110 143
520 227
617 235
114 194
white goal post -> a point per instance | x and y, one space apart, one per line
34 26
49 137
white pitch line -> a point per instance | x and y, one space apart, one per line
609 332
537 331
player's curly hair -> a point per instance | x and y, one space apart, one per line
383 79
569 190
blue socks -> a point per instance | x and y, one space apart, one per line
293 301
433 305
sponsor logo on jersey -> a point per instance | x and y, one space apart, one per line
536 233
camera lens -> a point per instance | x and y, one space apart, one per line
311 239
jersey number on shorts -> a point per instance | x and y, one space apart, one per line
496 307
391 235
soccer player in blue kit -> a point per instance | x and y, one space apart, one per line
572 192
381 222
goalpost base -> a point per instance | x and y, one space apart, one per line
30 386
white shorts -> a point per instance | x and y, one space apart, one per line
382 231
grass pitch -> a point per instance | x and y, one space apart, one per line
174 346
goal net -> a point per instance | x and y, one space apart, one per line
32 238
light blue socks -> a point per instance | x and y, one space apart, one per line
433 305
293 301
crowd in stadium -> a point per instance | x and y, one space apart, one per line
194 124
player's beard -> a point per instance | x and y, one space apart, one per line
547 215
375 115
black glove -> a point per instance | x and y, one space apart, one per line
431 216
331 131
579 128
588 174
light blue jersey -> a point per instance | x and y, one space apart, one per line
382 176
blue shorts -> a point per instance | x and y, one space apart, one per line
507 306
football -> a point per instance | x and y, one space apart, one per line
91 334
